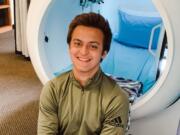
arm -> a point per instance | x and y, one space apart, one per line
116 115
48 118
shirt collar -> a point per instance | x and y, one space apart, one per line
94 81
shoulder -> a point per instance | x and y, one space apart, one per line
110 87
55 85
108 83
112 92
60 80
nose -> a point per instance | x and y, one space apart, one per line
84 50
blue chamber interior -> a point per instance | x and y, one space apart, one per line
131 63
129 56
135 29
54 26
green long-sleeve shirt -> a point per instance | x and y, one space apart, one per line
67 108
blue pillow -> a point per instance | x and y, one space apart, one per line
135 29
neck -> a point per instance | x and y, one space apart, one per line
83 77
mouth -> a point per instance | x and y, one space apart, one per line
83 59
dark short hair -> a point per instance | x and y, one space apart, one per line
92 20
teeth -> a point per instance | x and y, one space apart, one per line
84 59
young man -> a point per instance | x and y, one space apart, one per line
84 101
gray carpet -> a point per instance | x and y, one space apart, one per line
19 91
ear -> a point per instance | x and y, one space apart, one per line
69 46
104 54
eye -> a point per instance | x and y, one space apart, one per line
77 44
93 46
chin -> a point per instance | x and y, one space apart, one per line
83 69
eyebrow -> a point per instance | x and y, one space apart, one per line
76 39
95 42
92 42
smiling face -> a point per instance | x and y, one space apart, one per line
86 49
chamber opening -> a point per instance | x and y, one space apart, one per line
54 56
137 55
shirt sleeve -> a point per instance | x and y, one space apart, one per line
48 118
116 115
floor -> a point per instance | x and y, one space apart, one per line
19 90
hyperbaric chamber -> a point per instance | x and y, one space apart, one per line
46 34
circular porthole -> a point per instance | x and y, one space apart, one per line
161 95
